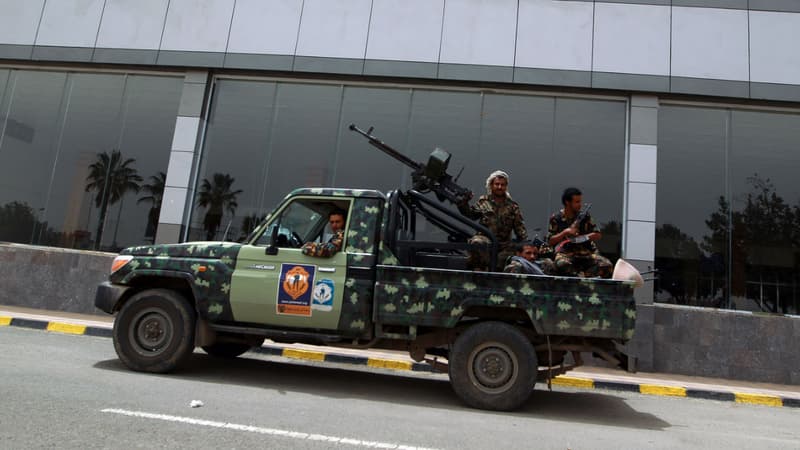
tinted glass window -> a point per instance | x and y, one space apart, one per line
97 146
727 210
691 229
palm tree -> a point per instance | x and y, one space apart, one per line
155 189
218 197
112 177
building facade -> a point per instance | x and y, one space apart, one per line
125 122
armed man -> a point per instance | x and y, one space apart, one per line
526 260
500 214
573 235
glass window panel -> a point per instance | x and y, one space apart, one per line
89 139
517 137
31 116
589 153
117 136
303 142
236 146
691 217
451 121
765 200
150 107
360 165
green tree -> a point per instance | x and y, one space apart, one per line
155 191
218 196
111 177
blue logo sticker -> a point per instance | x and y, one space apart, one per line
322 299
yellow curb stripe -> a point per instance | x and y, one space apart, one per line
5 321
562 380
758 399
303 354
388 364
66 328
671 391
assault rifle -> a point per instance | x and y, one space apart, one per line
576 224
430 177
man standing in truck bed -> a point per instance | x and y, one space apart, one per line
501 215
573 238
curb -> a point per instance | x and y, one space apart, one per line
381 363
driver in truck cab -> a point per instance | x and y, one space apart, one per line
336 220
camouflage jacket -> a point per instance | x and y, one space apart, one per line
559 223
325 249
500 219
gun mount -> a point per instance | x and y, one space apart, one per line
430 177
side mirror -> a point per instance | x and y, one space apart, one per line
271 248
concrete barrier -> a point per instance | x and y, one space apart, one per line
670 339
717 343
55 279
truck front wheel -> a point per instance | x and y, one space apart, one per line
154 331
493 366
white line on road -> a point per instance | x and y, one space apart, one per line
271 431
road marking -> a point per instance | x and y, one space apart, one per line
758 399
66 328
389 364
575 382
652 389
303 354
5 321
260 430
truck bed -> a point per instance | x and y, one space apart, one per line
557 306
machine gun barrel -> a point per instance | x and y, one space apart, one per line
431 177
386 148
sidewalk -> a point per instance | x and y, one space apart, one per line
584 377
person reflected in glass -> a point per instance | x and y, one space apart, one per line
573 236
336 220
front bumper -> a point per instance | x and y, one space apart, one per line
108 295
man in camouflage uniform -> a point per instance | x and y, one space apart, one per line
526 261
576 258
336 220
501 215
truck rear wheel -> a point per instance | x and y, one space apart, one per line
493 366
154 331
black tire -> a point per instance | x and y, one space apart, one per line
226 349
493 366
154 331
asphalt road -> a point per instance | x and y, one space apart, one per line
72 392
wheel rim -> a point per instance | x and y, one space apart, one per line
151 332
493 367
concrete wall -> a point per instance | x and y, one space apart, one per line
717 343
51 278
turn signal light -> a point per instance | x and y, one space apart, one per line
120 261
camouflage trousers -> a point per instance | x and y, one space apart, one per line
589 264
478 258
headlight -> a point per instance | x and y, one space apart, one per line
120 261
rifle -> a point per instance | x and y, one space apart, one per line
576 224
431 177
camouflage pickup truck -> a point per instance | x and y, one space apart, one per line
400 282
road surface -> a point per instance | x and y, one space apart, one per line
72 392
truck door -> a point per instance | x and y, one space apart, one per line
290 289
